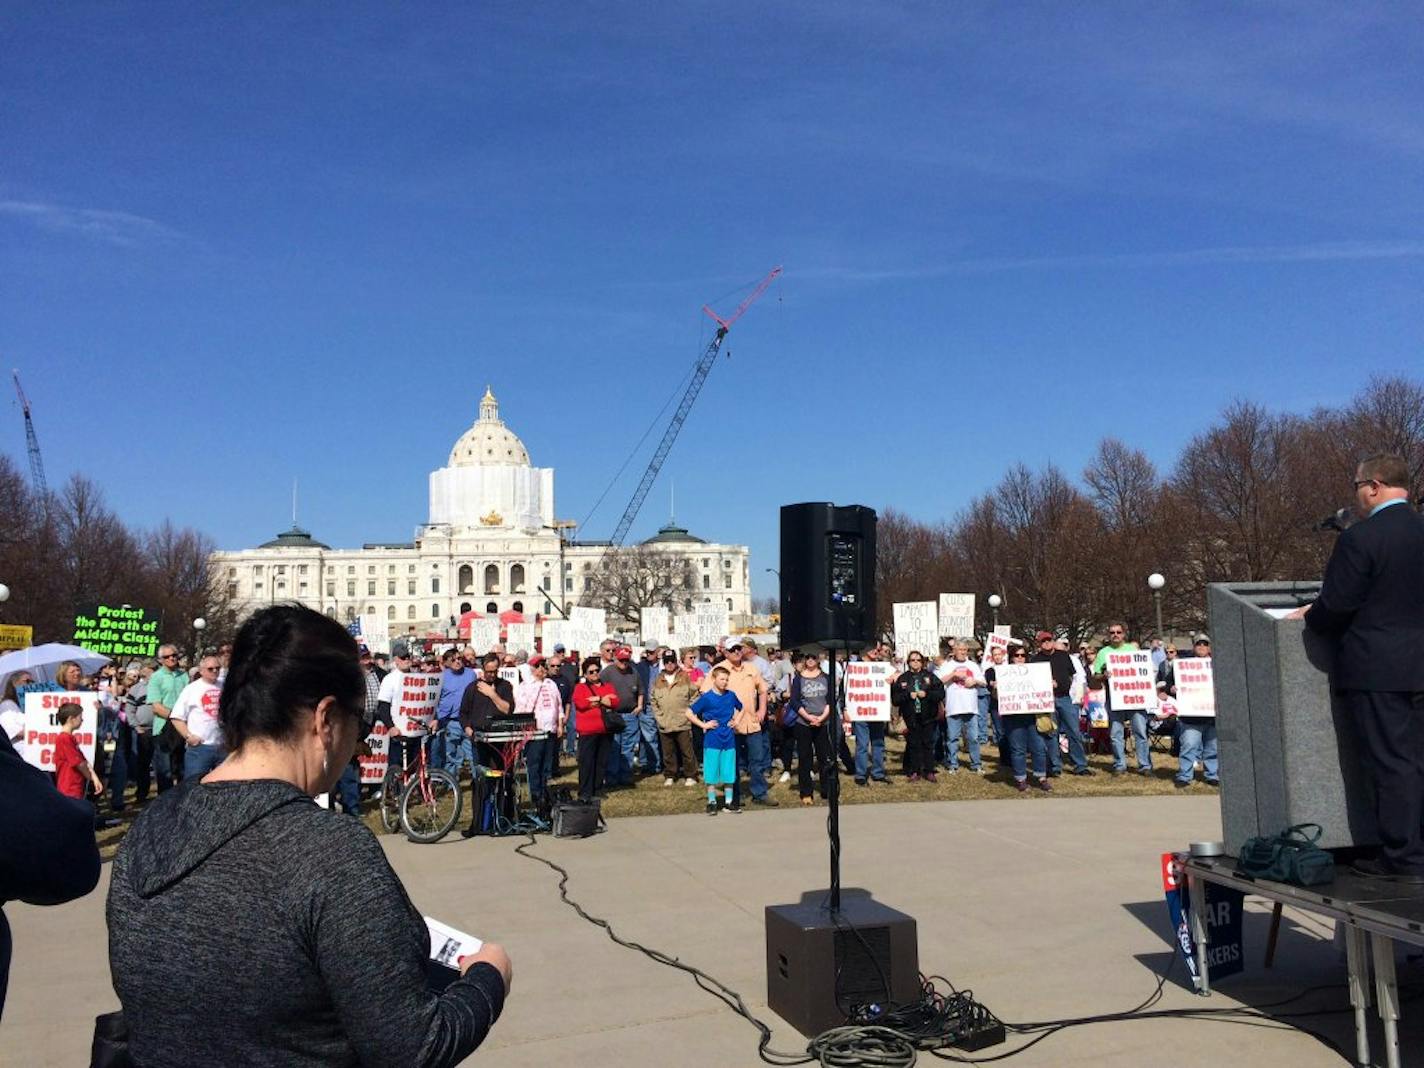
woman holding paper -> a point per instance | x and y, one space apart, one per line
243 886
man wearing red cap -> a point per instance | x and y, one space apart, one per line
623 677
1064 711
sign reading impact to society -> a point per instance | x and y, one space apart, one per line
117 631
916 627
868 691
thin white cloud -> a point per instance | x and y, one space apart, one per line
110 227
1328 252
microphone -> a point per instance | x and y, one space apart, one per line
1337 521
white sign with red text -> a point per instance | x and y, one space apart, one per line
1132 679
42 726
417 694
1196 692
373 764
867 690
1024 689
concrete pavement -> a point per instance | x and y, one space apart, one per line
1044 908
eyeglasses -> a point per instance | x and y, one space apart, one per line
168 656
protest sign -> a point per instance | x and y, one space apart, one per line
708 624
1003 630
553 632
956 615
590 627
1024 689
417 694
519 636
117 631
16 636
916 627
484 634
373 763
1196 693
375 634
1132 680
995 641
510 675
867 691
42 726
656 625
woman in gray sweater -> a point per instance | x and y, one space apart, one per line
247 925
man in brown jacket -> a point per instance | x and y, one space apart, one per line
671 694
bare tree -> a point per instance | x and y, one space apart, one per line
629 580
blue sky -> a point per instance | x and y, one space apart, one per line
240 245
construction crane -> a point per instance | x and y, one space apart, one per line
699 376
37 475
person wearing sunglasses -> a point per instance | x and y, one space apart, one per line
1117 718
164 686
591 696
918 694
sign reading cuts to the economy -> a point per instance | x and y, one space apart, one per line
867 691
956 615
916 627
117 631
1024 689
1132 680
42 725
1196 693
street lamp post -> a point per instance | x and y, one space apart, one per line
1155 582
199 625
994 602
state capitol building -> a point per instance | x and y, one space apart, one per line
491 545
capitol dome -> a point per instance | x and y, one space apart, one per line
489 441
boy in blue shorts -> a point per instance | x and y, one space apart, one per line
714 712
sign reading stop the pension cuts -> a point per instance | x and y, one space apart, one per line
373 762
956 615
42 725
656 625
1024 689
416 695
1196 693
868 691
917 627
519 636
1132 680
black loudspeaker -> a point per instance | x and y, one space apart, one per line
820 964
827 576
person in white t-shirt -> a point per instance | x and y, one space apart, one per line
961 678
195 717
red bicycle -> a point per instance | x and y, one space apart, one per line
424 801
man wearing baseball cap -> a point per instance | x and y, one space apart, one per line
623 755
1065 713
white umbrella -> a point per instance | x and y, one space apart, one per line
42 660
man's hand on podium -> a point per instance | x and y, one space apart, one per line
1299 613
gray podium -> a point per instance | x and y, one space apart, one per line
1287 748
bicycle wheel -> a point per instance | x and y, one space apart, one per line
392 786
430 808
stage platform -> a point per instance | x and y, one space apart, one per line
1044 907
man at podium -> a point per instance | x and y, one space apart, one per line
1372 604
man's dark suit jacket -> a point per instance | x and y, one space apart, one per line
1372 601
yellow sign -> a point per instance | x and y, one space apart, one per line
14 636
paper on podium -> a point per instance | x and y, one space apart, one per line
1278 613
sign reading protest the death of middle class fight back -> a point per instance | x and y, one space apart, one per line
1132 680
956 615
1196 693
656 625
1024 689
916 627
42 725
117 631
868 691
373 762
16 636
519 636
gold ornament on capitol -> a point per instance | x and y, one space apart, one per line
493 519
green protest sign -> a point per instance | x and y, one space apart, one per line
117 631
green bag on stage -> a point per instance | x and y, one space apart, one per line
1289 857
